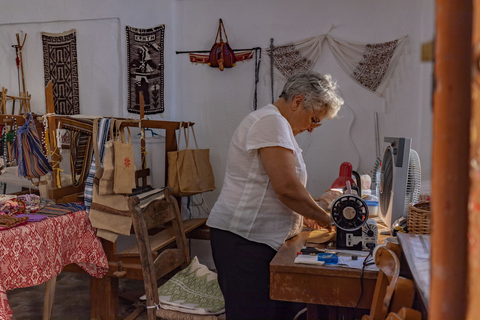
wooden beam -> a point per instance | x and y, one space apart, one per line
451 122
56 158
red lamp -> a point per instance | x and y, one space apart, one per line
344 176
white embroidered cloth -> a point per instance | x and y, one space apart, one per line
193 290
371 65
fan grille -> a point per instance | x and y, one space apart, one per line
386 181
414 180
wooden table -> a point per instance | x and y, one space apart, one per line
330 286
416 250
36 252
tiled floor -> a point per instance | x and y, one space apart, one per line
72 299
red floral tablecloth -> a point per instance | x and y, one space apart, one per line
36 252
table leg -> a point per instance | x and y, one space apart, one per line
104 298
48 298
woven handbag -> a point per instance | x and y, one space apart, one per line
221 55
32 163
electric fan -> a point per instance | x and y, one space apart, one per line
400 180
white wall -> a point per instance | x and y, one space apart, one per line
217 101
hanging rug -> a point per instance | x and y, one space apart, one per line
145 61
60 66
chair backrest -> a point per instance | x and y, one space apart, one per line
163 212
392 292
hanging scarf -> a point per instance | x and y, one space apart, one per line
102 138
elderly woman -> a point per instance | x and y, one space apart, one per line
263 199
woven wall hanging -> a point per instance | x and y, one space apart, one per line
145 68
60 66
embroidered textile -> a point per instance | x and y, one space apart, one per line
193 290
296 57
60 66
145 69
371 65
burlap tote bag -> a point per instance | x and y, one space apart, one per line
124 172
118 175
110 214
189 170
106 173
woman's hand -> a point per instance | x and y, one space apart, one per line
318 224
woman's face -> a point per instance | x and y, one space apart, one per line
307 119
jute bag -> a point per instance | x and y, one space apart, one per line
124 173
106 174
118 175
189 170
108 213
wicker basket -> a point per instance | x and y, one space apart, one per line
419 217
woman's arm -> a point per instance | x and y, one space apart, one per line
279 163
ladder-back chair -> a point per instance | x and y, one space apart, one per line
392 292
155 265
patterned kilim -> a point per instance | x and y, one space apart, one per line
81 148
145 69
60 66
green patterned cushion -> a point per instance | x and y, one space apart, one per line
195 288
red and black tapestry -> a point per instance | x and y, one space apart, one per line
145 69
60 66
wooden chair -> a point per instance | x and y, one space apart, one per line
405 314
392 292
164 212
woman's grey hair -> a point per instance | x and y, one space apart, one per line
319 92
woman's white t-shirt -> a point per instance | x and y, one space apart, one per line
247 205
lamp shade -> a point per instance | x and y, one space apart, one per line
344 175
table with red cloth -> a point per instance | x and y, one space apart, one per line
35 252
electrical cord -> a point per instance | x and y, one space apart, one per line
361 280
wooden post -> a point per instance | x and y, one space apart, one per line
4 101
56 158
473 280
451 132
20 47
143 146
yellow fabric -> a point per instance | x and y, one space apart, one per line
321 236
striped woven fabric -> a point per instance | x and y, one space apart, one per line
7 221
81 147
29 152
101 139
147 195
61 209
